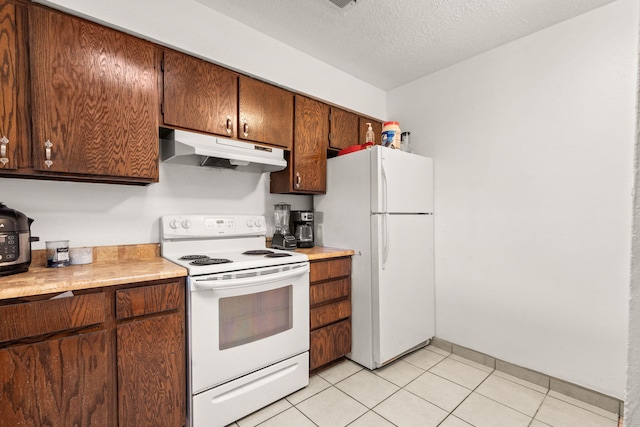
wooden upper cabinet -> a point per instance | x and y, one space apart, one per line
344 129
199 95
8 86
94 99
306 170
266 113
375 125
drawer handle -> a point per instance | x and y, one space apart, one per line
245 128
47 153
229 125
3 150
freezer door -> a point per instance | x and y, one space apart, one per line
402 284
401 182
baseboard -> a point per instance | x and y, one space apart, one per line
575 391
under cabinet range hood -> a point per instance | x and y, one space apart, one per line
196 149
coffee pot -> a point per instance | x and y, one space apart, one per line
302 227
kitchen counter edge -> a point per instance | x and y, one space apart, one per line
42 280
322 252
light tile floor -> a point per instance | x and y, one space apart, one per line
426 388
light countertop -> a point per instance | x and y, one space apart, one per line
114 265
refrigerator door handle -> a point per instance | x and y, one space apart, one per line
384 188
386 243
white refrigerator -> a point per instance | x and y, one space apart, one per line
379 202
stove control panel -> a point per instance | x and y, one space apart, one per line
193 226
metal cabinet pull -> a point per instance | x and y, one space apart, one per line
229 125
245 128
47 153
298 179
3 150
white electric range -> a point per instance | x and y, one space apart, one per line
247 314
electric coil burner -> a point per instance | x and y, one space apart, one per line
247 315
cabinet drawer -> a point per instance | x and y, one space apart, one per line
331 269
148 299
329 313
328 291
44 317
328 344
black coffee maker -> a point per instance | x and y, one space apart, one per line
302 228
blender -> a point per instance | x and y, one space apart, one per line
282 239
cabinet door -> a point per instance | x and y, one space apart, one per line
266 113
95 99
329 343
306 171
61 382
375 125
199 95
344 129
8 86
309 146
151 372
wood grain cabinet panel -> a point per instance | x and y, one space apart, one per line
328 291
37 318
330 269
329 343
199 95
8 86
330 310
344 129
151 372
116 357
95 100
148 299
330 313
61 382
306 171
266 113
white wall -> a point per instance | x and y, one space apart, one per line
102 214
632 407
532 145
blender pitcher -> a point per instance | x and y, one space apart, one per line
282 239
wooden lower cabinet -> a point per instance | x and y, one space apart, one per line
330 315
151 364
111 357
58 382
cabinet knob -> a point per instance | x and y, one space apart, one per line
245 128
298 179
47 153
229 125
3 150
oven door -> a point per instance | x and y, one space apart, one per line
246 320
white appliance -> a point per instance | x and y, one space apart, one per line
247 315
379 202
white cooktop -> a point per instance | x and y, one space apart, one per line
219 236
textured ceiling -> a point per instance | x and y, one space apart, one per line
391 42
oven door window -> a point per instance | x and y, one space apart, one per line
249 318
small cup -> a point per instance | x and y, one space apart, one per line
57 253
79 256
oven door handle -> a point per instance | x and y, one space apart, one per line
250 281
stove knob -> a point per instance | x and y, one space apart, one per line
186 224
258 223
250 222
174 224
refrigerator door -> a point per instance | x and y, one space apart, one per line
401 182
402 284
